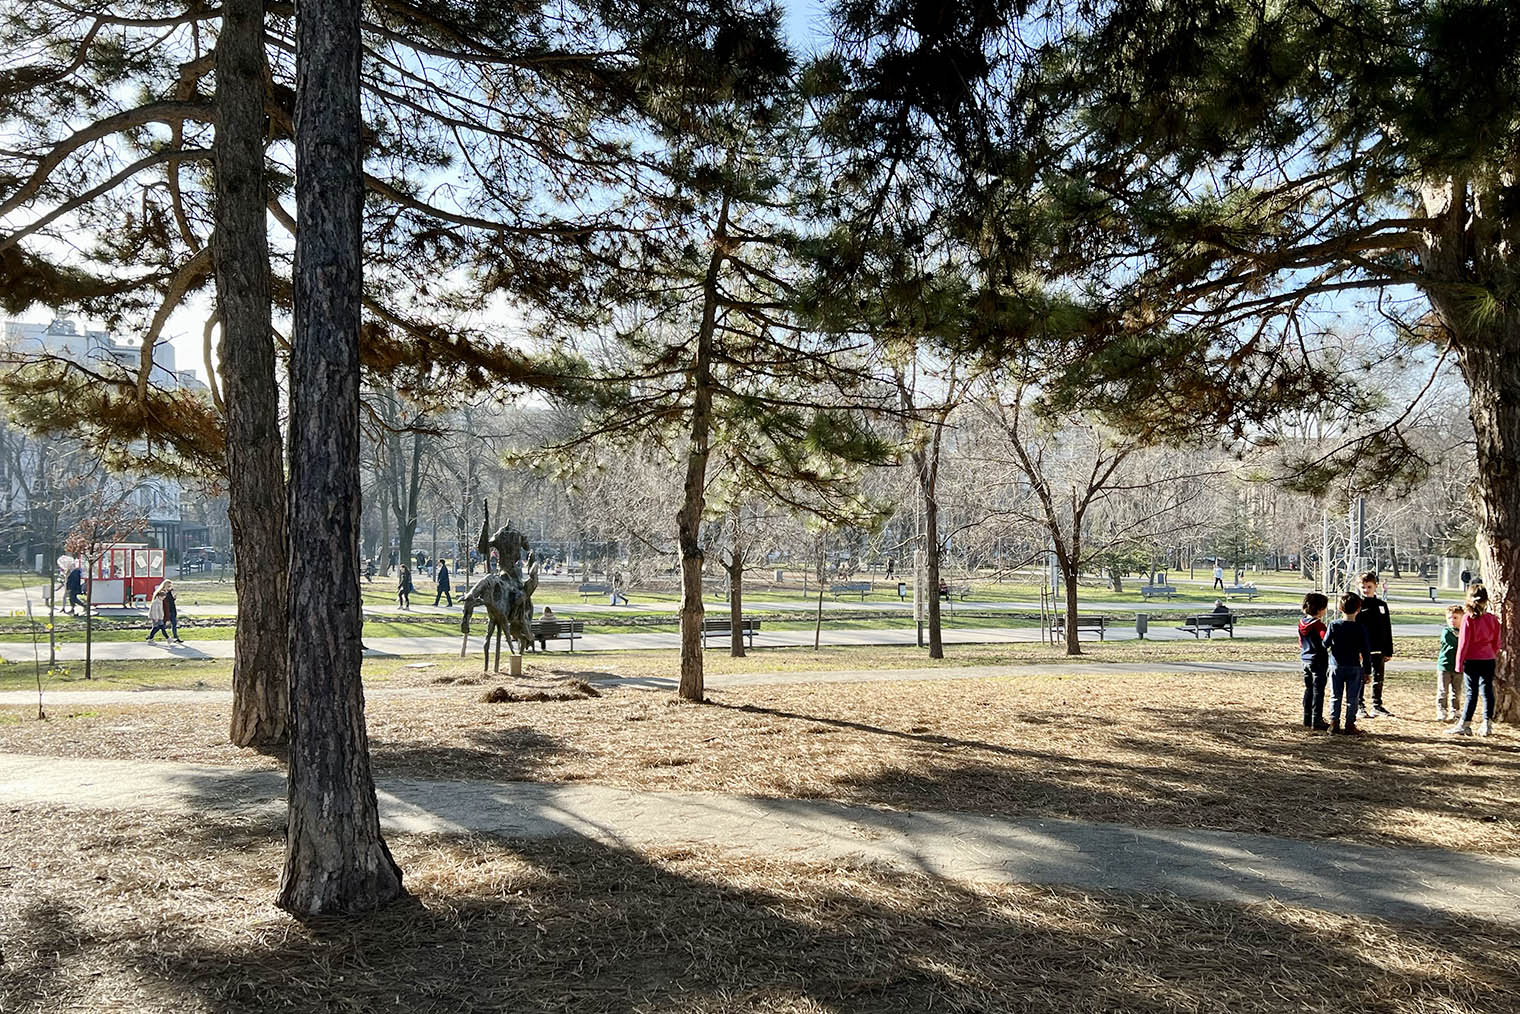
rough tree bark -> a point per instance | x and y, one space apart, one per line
1492 369
735 567
694 488
336 863
1470 254
931 555
405 495
1068 566
255 466
926 469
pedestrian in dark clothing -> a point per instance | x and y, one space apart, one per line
171 610
404 588
164 613
74 585
1375 620
443 585
1346 641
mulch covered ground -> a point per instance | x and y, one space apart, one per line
135 914
1206 751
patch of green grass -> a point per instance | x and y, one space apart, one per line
130 674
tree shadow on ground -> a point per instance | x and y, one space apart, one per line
580 925
1225 774
517 753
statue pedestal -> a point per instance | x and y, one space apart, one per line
514 665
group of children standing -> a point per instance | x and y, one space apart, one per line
1361 642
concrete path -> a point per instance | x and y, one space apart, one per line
1209 865
448 644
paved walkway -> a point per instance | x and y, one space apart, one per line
449 644
1210 865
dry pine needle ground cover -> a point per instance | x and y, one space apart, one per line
1208 750
397 671
137 914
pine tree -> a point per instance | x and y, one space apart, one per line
336 862
697 334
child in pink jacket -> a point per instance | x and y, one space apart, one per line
1477 657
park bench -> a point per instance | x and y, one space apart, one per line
959 591
558 630
1098 623
861 588
1249 591
592 588
725 626
1207 623
1150 591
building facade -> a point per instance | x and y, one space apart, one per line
41 476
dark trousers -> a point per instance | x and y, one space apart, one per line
1478 674
1374 676
1345 685
1219 583
443 592
1314 694
74 600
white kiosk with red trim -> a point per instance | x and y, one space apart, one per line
125 574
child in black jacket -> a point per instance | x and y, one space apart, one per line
1347 643
1378 624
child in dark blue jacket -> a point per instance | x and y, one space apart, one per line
1347 643
1311 649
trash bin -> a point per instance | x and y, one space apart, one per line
1142 624
1432 593
902 591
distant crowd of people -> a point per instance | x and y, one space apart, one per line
1351 653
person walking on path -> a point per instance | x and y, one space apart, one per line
74 586
1346 641
404 587
1218 576
1477 658
164 612
1375 619
444 591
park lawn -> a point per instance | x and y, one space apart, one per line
152 914
1216 750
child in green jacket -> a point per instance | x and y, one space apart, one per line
1448 680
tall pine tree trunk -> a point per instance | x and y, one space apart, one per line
1491 365
336 863
694 489
735 568
255 467
1069 577
1468 264
931 561
688 532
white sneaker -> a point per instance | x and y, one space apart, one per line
1462 729
1487 729
1441 715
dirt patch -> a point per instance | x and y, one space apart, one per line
136 914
